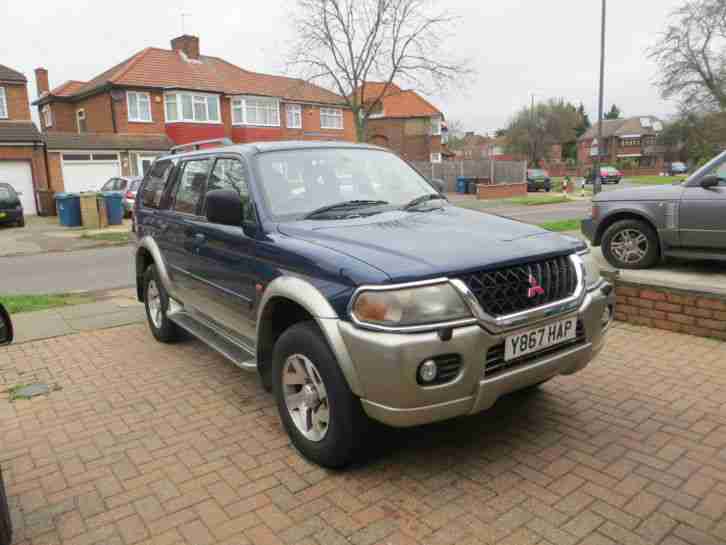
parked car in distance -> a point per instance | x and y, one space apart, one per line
11 209
637 227
538 179
128 185
677 169
355 290
608 175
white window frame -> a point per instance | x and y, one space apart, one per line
436 126
336 113
196 99
47 115
295 111
138 95
435 158
4 114
240 103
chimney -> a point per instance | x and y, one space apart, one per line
41 80
189 45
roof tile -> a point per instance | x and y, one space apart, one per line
107 141
19 131
8 74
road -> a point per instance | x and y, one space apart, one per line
110 268
83 270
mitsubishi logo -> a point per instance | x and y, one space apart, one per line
535 289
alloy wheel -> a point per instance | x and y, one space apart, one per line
306 397
629 246
153 301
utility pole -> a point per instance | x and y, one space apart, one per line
597 182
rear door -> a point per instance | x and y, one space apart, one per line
178 225
225 263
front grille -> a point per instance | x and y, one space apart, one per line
448 369
507 291
496 364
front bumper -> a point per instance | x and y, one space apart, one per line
386 364
10 216
587 226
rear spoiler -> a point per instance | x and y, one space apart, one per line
198 145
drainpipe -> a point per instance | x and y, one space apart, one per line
113 113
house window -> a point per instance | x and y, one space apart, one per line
3 104
47 114
191 107
435 157
331 118
263 112
294 116
630 142
435 126
139 106
81 121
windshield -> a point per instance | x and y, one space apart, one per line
6 193
298 182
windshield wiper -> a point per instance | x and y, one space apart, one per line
343 206
422 199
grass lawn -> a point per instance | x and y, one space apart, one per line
561 225
535 200
655 180
114 236
15 304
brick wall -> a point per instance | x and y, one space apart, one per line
17 98
409 138
98 113
158 123
501 191
682 311
56 172
64 118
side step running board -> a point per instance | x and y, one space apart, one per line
242 356
696 254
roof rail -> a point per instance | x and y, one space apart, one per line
198 144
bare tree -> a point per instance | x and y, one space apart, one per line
691 56
346 44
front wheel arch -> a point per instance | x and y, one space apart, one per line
619 216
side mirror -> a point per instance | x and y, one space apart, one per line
439 185
6 327
225 207
710 181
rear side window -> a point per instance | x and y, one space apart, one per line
191 186
155 182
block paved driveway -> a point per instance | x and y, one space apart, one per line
146 443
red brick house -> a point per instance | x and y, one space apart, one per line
161 97
22 163
633 138
407 123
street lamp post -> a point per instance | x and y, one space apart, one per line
597 182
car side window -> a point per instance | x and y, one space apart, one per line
108 186
121 186
191 186
230 173
154 184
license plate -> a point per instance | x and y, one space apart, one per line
540 338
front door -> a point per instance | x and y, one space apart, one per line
703 214
225 258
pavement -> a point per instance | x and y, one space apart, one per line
144 443
43 235
115 308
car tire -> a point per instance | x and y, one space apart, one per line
156 302
624 231
302 359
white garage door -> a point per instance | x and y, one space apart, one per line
19 175
86 172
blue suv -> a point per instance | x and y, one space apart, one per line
355 290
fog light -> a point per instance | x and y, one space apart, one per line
427 371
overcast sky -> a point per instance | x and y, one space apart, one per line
518 47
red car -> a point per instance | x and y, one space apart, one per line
608 175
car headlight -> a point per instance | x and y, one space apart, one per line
591 269
407 307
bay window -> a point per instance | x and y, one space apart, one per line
139 106
259 111
331 118
191 107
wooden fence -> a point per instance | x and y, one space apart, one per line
449 171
